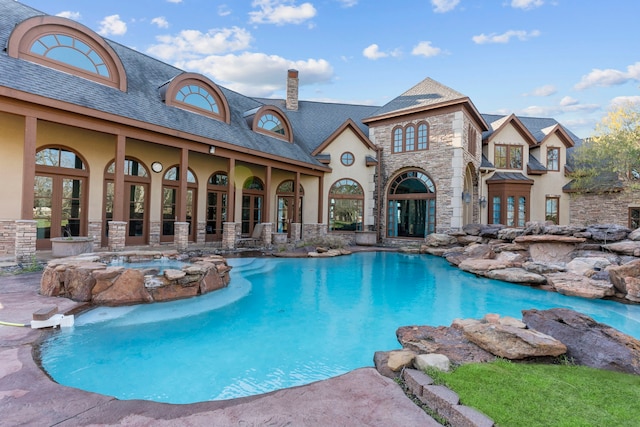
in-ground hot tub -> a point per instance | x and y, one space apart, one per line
118 278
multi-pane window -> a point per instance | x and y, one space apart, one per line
472 137
346 206
634 218
198 97
71 51
508 156
271 123
408 139
552 209
509 210
553 159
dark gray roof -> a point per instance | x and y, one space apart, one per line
600 183
425 94
142 100
509 176
535 125
535 165
486 164
320 119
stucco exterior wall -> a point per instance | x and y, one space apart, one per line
11 141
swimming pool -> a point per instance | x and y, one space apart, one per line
283 323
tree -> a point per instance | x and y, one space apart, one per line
612 155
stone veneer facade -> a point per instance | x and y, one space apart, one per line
445 162
603 208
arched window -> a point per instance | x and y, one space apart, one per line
252 204
60 195
170 189
136 195
412 205
68 46
286 205
194 92
270 121
346 206
217 204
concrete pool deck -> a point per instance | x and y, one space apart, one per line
29 397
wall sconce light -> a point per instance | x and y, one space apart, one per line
466 197
212 149
483 202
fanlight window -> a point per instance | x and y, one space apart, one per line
412 182
173 174
219 178
271 123
59 157
253 183
71 51
198 97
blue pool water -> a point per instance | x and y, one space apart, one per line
283 323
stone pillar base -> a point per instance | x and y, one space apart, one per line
25 246
229 235
181 235
117 235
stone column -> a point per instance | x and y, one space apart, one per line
228 235
202 232
95 232
25 249
117 235
181 235
267 229
154 233
296 229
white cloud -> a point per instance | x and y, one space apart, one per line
609 77
174 1
425 49
112 26
237 72
443 6
71 15
191 44
348 3
160 21
280 12
505 37
555 110
224 10
526 4
620 101
373 52
546 90
568 101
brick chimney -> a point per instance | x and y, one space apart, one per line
292 90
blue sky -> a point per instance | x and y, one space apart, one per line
568 59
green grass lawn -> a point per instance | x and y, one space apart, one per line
529 395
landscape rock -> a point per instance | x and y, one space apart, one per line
587 266
482 266
440 239
625 247
399 359
634 235
432 360
579 286
515 275
608 232
449 341
509 234
543 268
588 342
512 342
624 277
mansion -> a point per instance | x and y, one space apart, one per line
102 141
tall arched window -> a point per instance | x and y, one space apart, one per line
346 206
136 193
217 201
252 204
60 195
170 189
66 45
411 205
285 203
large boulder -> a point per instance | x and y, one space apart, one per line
634 235
449 341
625 247
481 266
587 266
512 342
579 286
588 342
608 232
516 275
440 239
625 278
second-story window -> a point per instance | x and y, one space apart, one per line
508 156
271 123
553 159
408 139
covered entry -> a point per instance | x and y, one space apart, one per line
411 209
